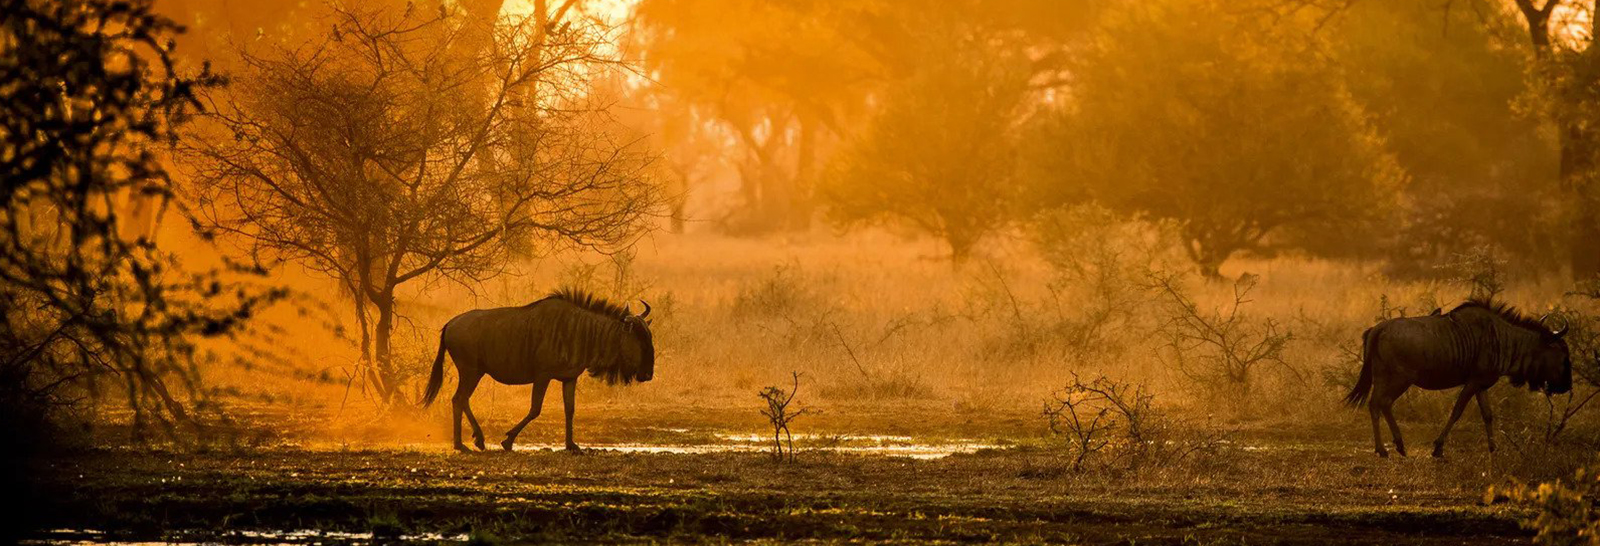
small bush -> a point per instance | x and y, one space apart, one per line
1567 511
1480 269
1219 349
781 294
1112 424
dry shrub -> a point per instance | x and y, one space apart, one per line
1220 350
1096 261
1480 269
1109 424
783 294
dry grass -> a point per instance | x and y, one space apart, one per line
880 323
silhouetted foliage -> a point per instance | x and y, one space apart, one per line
92 309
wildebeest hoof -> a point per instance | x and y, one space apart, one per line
1438 452
506 444
1383 453
462 448
574 449
479 442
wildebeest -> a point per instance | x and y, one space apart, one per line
556 338
1471 347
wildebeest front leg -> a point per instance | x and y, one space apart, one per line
1488 417
1467 392
533 412
569 399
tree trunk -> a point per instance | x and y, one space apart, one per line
799 206
960 249
1578 144
1207 257
1578 148
383 349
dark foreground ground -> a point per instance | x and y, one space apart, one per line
1263 493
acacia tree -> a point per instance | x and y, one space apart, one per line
387 153
1190 115
941 153
90 100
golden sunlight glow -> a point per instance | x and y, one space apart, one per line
920 271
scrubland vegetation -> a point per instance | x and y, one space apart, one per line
890 341
980 271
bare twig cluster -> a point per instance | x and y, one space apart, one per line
1108 423
1480 270
779 415
1220 348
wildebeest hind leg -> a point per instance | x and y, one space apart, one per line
1377 431
1394 429
1383 397
477 432
1488 417
459 406
1455 413
533 412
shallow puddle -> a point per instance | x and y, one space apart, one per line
910 451
862 444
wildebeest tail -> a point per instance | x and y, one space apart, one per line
436 377
1358 395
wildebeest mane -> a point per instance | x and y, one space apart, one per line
588 301
1506 312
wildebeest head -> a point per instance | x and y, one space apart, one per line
1552 363
639 326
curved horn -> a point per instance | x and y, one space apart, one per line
1558 331
646 312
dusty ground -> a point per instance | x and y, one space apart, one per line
1273 485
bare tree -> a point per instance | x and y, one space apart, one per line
396 150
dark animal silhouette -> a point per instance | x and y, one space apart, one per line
556 338
1471 347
